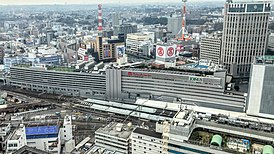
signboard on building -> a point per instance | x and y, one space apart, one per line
195 79
120 51
86 58
106 52
160 51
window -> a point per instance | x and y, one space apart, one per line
64 131
65 135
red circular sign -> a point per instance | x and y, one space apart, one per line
160 51
170 51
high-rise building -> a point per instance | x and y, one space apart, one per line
124 29
115 19
174 25
244 35
211 49
49 36
261 96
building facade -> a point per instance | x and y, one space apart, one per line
57 82
174 25
211 49
114 137
146 141
106 48
208 91
190 88
261 87
17 140
245 34
136 41
116 19
271 42
124 29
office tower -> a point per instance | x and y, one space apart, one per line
115 19
49 36
174 25
261 87
124 29
211 49
244 35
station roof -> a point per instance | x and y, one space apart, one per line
268 149
217 139
42 130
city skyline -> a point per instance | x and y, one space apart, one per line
52 2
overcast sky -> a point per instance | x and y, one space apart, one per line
30 2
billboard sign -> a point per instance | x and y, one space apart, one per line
160 51
120 50
170 51
86 58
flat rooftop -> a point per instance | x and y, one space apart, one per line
148 132
111 129
42 130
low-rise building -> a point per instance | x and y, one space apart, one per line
17 139
140 43
5 130
115 137
146 141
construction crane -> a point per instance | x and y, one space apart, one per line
183 30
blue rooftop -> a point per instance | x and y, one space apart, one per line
196 65
42 130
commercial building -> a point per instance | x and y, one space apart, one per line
261 87
146 141
44 137
136 42
190 88
124 29
177 123
245 35
115 137
116 19
211 49
174 25
58 82
106 48
17 139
